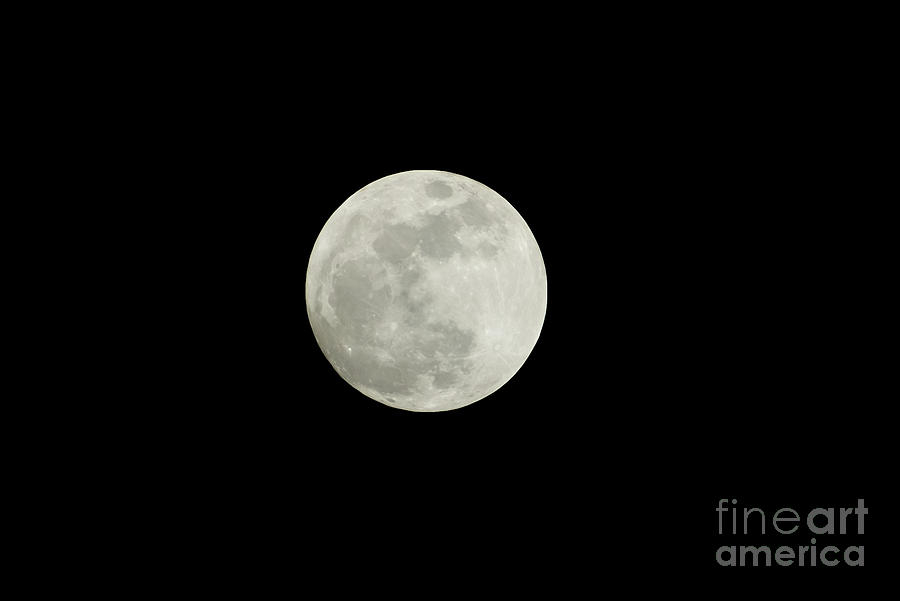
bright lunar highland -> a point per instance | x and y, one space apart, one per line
426 290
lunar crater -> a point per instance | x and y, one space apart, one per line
438 189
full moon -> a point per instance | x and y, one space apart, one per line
426 290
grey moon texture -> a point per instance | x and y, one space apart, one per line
426 290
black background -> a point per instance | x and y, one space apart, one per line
708 214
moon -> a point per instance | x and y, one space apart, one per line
426 290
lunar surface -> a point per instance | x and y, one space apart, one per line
426 290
